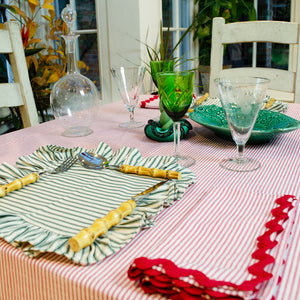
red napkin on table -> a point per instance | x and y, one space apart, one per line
151 102
226 250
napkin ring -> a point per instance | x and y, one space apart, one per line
154 131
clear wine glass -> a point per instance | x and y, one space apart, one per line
129 81
242 99
176 94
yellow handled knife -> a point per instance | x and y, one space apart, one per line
87 236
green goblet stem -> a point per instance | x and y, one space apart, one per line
176 94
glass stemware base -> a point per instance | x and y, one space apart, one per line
77 131
185 161
238 164
132 124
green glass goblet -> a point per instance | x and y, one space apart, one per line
176 94
158 66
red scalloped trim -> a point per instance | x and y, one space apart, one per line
168 282
144 103
155 97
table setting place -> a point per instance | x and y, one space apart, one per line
203 222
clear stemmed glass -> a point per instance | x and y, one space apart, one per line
129 81
242 99
176 93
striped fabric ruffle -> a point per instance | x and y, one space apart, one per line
41 217
269 103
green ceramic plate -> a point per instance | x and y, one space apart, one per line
267 126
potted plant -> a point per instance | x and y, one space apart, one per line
46 60
161 58
231 11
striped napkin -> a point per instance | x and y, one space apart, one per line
269 103
43 216
233 247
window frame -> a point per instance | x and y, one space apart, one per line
177 29
107 53
148 15
106 32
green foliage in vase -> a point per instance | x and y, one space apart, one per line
163 51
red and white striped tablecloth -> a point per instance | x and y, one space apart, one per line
53 277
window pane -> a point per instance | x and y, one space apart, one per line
170 40
182 20
60 5
185 53
184 13
278 10
86 14
238 55
268 54
272 55
88 53
167 8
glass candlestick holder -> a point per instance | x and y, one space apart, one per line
74 98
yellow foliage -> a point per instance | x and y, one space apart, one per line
48 18
81 65
47 5
35 62
32 7
19 12
52 57
47 65
34 2
52 14
33 41
53 77
32 29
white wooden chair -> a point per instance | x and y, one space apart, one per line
18 93
285 84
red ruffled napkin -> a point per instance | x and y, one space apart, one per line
233 248
151 102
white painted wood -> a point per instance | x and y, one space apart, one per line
5 47
122 26
10 95
20 72
269 31
293 49
286 83
279 78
